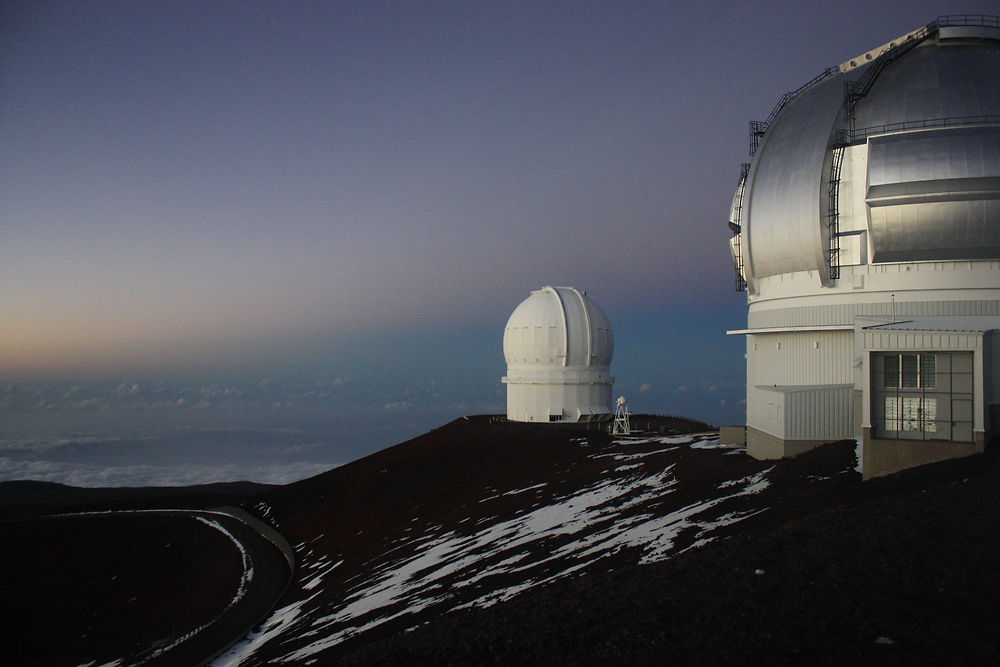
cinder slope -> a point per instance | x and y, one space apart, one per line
898 571
477 512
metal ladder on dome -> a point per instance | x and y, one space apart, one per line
833 213
737 228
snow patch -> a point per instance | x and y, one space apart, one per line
276 623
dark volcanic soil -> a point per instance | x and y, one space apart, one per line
436 474
100 587
22 499
105 587
900 570
903 570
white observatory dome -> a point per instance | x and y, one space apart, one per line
558 346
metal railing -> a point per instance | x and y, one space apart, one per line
833 214
759 127
737 227
988 20
855 90
856 136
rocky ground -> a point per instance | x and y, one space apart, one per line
803 563
93 589
108 588
903 571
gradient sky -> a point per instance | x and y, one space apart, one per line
361 192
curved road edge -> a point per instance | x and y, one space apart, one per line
272 572
265 530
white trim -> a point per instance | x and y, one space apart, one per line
565 324
823 327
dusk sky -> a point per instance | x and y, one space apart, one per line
348 199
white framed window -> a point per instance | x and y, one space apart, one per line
909 370
911 413
922 395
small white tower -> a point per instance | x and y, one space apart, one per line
558 345
622 426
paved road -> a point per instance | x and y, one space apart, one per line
271 574
270 577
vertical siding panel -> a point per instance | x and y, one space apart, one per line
819 414
799 362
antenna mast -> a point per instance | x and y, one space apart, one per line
621 426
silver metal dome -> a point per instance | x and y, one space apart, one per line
942 78
874 197
928 109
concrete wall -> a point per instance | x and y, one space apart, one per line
733 435
763 446
269 533
859 414
991 388
885 457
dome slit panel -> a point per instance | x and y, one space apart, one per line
784 219
943 182
933 82
588 327
565 327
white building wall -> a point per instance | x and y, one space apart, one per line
821 413
803 413
766 410
536 402
780 366
932 288
800 358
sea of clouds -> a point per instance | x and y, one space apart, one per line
172 434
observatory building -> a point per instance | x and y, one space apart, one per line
558 345
866 233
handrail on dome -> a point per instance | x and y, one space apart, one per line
833 214
859 135
759 127
946 20
736 226
855 90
